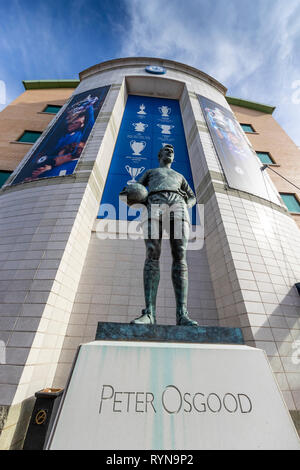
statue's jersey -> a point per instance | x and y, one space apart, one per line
166 179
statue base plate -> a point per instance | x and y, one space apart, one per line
169 333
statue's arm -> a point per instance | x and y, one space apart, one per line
190 198
144 179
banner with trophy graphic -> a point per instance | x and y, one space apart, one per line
147 125
59 151
238 160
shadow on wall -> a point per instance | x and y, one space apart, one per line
15 420
22 424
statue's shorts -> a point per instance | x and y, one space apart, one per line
167 211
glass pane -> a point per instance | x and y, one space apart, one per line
3 177
291 202
264 157
29 136
51 108
247 128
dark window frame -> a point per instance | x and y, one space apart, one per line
250 125
5 171
28 141
269 155
295 197
54 106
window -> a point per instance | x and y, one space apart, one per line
291 202
4 175
52 108
265 158
247 128
29 137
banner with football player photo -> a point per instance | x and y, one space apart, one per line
58 153
240 165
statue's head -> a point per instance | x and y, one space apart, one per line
166 154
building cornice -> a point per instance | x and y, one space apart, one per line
264 108
133 61
45 84
144 61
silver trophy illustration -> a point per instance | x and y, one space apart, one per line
134 173
165 128
142 109
137 147
139 126
165 111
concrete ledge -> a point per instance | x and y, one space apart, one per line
181 334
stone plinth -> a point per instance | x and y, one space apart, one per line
155 388
182 334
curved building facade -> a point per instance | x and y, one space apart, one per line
61 273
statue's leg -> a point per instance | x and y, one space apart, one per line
180 275
152 275
151 279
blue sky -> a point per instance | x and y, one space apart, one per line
250 47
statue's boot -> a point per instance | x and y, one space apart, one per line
147 318
180 284
183 319
151 281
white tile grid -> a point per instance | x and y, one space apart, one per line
198 163
202 88
58 324
280 269
196 154
216 250
212 161
100 79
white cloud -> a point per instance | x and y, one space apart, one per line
250 48
182 31
157 30
284 24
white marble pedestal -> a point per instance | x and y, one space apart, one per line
150 395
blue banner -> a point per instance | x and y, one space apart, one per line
239 163
147 125
59 151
